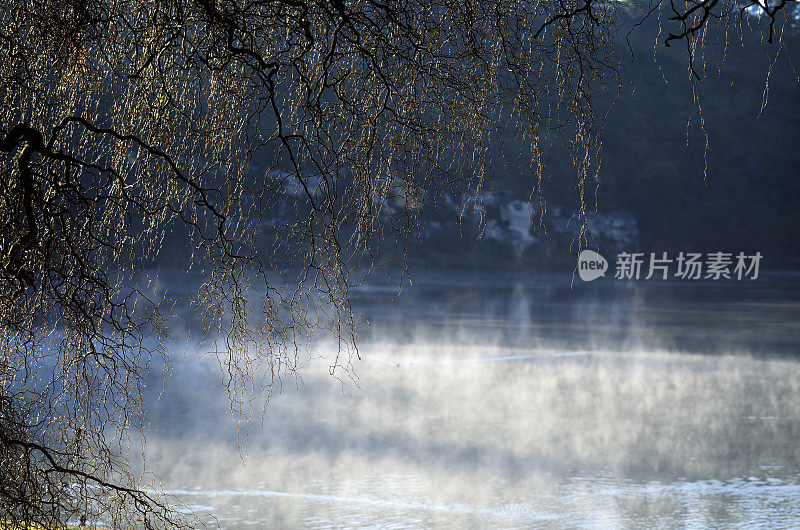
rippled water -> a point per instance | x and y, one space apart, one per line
490 401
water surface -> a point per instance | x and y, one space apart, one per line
489 400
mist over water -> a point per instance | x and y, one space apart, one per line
484 400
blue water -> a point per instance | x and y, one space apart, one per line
488 400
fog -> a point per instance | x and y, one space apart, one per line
483 400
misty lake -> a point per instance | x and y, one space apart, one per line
490 400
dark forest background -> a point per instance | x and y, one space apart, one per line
653 193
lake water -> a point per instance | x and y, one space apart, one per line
488 400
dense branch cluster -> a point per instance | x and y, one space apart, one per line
271 135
